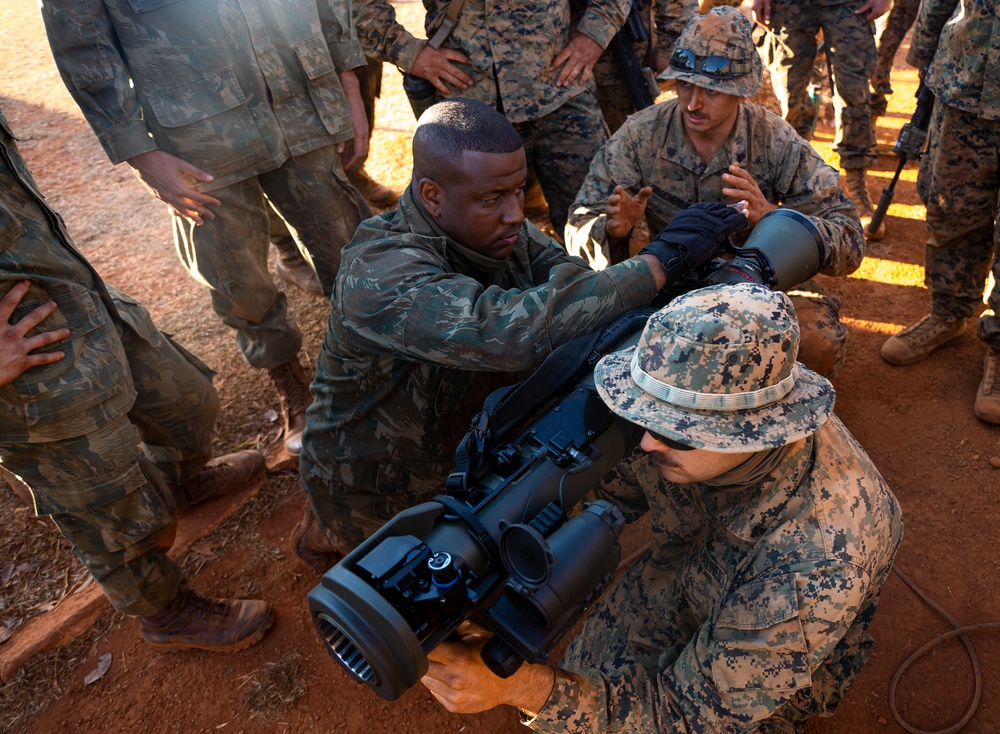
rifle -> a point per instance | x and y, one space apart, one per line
907 146
638 79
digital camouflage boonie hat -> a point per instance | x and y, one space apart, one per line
722 33
715 369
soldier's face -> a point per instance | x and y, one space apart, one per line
684 467
482 204
706 112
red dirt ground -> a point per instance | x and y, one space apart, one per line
916 422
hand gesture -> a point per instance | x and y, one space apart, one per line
15 348
437 65
623 211
742 186
168 179
580 55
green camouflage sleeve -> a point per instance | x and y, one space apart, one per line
669 19
932 16
335 19
544 253
85 49
603 19
435 315
761 645
383 37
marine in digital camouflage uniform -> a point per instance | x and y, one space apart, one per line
654 149
69 430
959 182
890 30
849 41
663 23
422 328
771 539
511 45
250 92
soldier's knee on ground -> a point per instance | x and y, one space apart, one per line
823 344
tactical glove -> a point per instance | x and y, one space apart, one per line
693 237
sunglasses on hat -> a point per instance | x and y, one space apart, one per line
669 442
716 67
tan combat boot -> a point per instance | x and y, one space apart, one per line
221 475
290 266
857 191
195 622
915 342
313 546
988 397
293 390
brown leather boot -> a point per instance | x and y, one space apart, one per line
290 266
915 342
856 188
988 398
221 475
293 390
195 622
313 546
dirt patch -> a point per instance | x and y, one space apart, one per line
916 422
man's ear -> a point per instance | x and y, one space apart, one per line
430 193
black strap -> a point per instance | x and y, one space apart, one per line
469 518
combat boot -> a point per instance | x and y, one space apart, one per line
313 546
290 266
222 475
195 622
915 342
857 191
293 390
988 397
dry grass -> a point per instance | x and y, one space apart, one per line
273 689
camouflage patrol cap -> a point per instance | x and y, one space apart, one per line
722 32
715 369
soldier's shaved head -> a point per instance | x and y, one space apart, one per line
453 126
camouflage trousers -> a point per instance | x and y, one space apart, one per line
644 621
106 489
962 216
889 32
228 254
559 147
850 46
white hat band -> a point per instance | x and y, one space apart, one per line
709 401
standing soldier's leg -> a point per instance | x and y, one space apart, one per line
791 50
560 146
890 30
375 193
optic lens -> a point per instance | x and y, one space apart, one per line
346 651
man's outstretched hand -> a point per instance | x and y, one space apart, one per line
169 178
623 210
693 237
15 347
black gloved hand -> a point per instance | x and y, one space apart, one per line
693 237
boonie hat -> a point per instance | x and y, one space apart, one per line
715 369
716 51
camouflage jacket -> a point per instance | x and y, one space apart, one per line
414 344
232 86
960 39
651 149
82 391
771 588
511 45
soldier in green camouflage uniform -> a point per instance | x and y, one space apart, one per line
890 30
428 317
70 423
959 182
663 23
503 54
848 37
214 103
656 149
773 534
